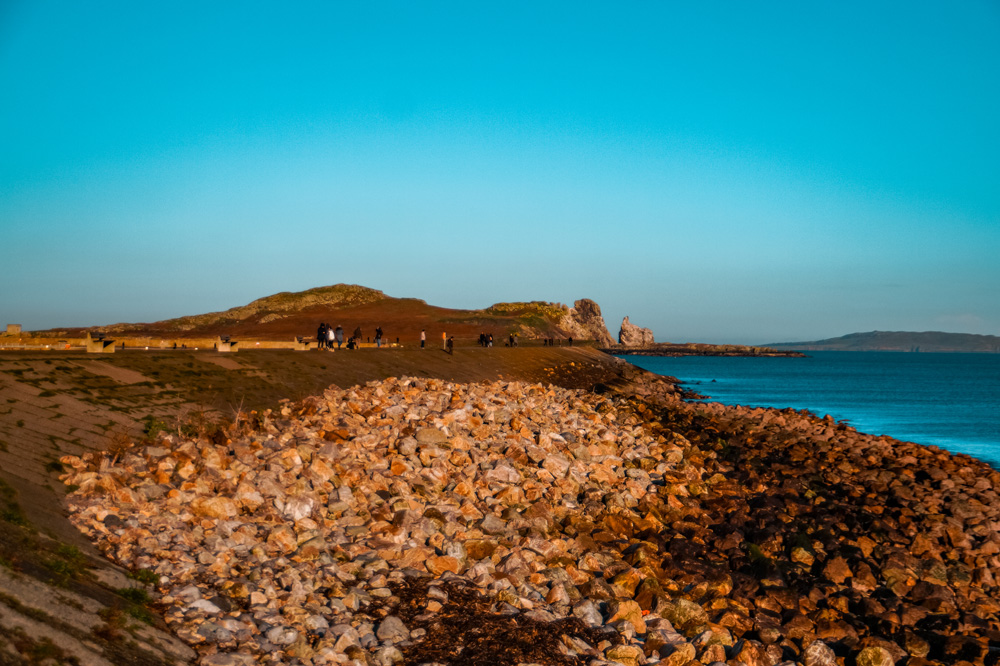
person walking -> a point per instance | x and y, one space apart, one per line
451 345
378 337
423 338
329 338
338 335
357 336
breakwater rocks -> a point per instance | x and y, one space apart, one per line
418 521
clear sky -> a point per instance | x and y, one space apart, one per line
718 171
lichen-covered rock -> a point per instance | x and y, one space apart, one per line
874 656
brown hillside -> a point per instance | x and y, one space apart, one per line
286 315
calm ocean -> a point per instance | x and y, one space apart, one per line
949 400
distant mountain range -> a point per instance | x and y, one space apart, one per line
904 341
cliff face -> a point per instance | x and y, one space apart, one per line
631 335
583 321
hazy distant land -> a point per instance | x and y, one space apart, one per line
905 341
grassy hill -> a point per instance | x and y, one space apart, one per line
288 314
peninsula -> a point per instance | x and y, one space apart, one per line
900 341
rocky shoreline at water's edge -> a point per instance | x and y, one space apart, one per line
794 588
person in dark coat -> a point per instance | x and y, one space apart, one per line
321 336
338 335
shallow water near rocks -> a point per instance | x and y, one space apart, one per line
948 400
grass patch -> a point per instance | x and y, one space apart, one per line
136 602
54 466
68 563
10 511
145 576
20 423
46 394
135 595
760 563
152 427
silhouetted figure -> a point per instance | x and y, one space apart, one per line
489 340
451 345
338 335
423 338
378 337
357 335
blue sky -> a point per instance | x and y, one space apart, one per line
722 172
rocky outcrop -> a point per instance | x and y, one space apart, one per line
583 321
631 335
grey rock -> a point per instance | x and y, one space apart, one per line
392 629
819 654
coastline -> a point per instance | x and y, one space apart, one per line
945 400
763 536
697 349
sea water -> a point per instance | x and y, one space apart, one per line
948 400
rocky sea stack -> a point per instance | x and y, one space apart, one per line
421 521
631 335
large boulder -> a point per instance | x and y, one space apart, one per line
631 335
583 321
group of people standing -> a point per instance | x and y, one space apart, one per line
327 336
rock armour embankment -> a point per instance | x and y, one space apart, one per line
422 521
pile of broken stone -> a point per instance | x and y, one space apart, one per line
351 528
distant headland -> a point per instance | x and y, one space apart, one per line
901 341
287 315
285 319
